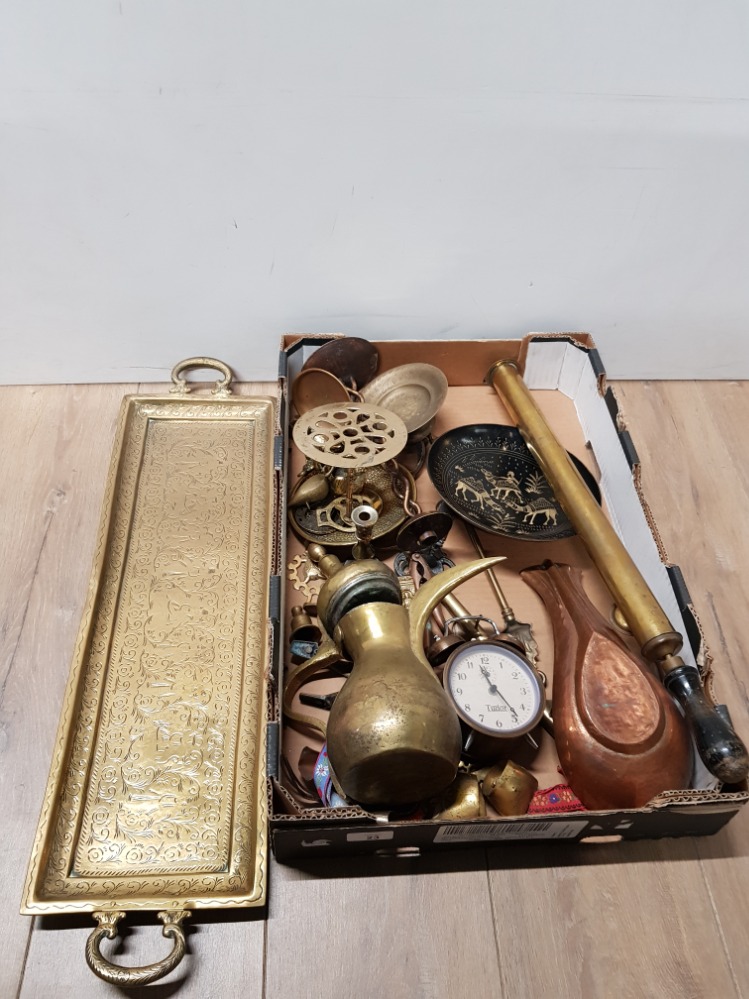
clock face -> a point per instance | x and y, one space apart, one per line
494 689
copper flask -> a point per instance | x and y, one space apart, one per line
620 737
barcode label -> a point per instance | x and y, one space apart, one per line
476 831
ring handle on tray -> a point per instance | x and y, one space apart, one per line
130 977
181 386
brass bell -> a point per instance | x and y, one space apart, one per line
302 627
509 788
461 800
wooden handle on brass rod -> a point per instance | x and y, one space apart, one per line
723 753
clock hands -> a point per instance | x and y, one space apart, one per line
494 689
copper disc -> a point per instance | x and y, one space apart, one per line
316 387
353 360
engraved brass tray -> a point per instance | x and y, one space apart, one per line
156 797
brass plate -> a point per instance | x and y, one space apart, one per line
156 795
414 391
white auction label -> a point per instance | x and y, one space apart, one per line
374 834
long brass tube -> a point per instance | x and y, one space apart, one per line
720 748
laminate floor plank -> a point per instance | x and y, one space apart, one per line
419 928
695 457
609 921
57 442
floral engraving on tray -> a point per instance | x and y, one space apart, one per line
161 777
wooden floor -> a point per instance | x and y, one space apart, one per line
663 919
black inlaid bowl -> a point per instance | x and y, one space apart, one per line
487 475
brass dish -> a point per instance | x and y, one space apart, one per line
487 475
414 391
156 796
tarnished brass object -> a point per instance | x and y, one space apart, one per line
350 435
461 800
519 630
392 736
723 753
302 628
343 482
414 391
156 797
509 788
129 977
351 358
305 577
364 518
309 491
328 523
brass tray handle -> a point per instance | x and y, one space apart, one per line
130 977
181 386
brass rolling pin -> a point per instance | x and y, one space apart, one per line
721 750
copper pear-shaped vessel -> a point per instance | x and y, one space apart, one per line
620 737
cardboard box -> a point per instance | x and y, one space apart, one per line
567 378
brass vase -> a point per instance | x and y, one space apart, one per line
393 736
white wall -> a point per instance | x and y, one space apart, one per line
183 177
